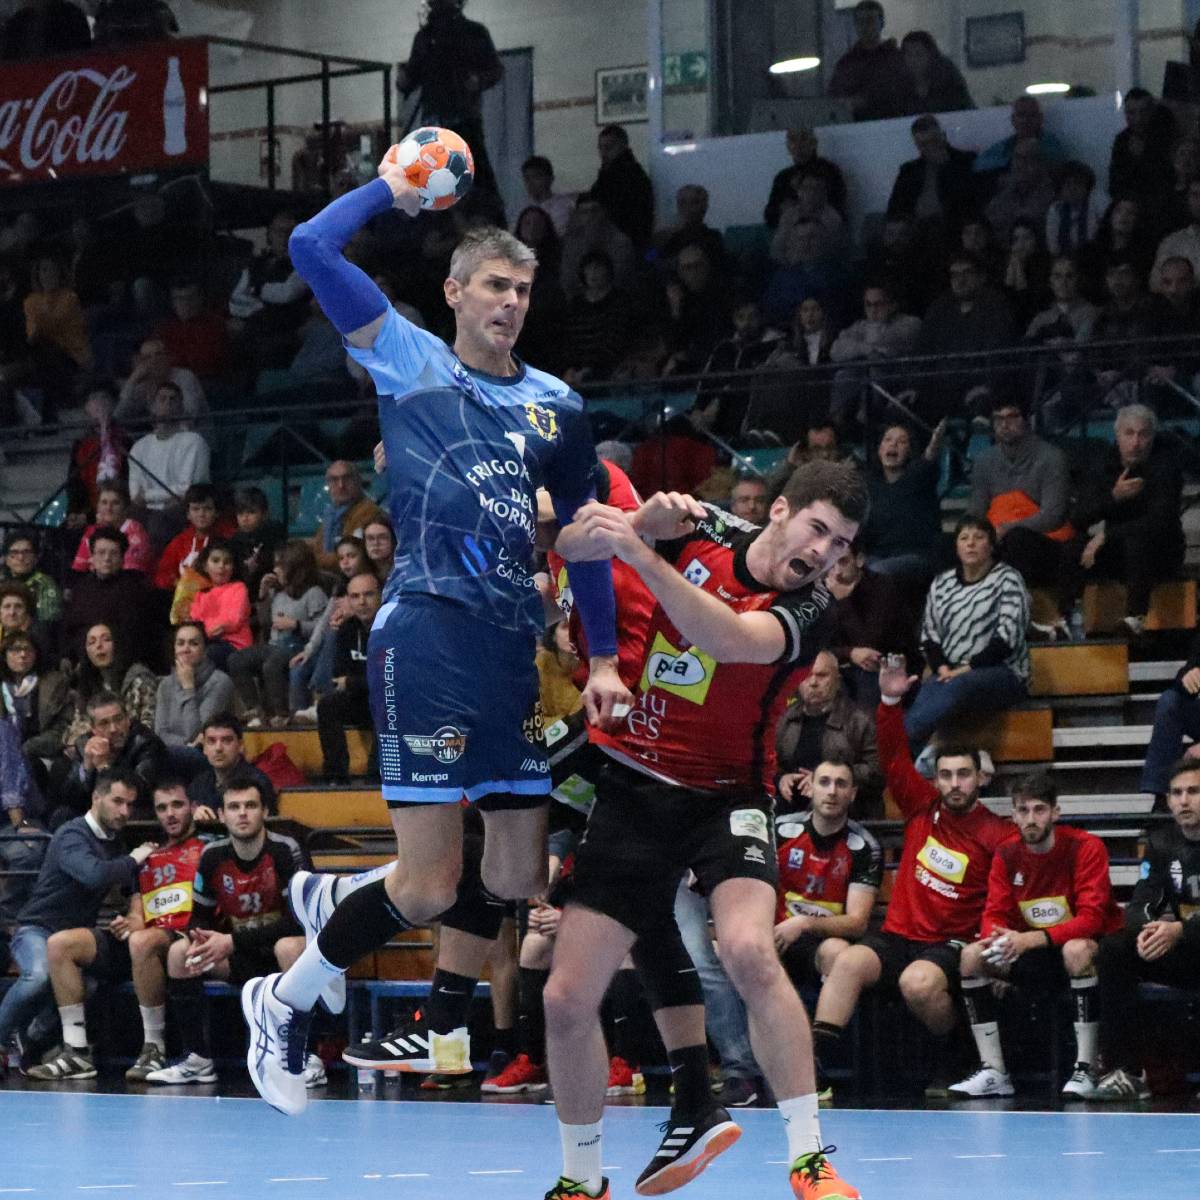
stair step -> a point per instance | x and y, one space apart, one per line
1073 737
1152 672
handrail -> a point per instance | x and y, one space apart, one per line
293 52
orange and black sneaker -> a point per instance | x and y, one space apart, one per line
569 1189
814 1178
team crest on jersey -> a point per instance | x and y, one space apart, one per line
696 572
684 673
795 858
446 744
543 420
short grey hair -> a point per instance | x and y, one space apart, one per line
1136 414
488 242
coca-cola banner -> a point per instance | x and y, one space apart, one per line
110 113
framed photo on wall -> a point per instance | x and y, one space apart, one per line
621 95
995 41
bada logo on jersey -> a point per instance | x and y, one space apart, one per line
948 864
1046 911
687 674
543 420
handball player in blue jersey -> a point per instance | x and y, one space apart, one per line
470 434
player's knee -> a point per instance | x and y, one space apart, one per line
750 959
287 950
176 959
515 881
64 947
857 966
971 961
423 896
1079 956
145 944
922 983
828 952
566 1005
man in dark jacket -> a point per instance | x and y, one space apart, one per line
623 188
802 146
825 723
114 741
937 186
83 862
224 758
1137 495
347 704
872 68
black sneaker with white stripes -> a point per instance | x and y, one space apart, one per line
689 1144
414 1048
64 1062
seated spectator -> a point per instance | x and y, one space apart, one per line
1070 318
164 464
109 665
1134 495
84 861
977 237
1022 486
809 228
900 256
320 358
348 704
591 230
345 515
380 543
312 669
810 343
691 207
1026 271
872 69
112 742
972 637
1130 314
1024 192
802 147
17 608
698 310
192 691
1074 217
112 512
1179 318
937 188
224 760
194 335
749 499
1140 164
721 405
183 551
21 566
1185 242
537 173
257 536
1160 942
824 723
131 948
35 710
1049 904
904 523
931 83
936 903
558 666
223 941
98 457
1185 164
152 368
43 27
830 872
1028 121
223 608
872 620
597 324
623 188
57 333
1123 236
260 672
108 594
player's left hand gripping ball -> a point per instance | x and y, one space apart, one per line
437 163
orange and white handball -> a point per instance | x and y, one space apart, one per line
438 163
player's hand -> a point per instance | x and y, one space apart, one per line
788 930
668 515
120 927
606 699
1158 938
203 813
894 679
544 920
139 854
599 531
1191 681
788 784
805 785
208 948
998 949
380 456
404 195
1126 488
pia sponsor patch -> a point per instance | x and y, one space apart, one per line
751 823
447 744
684 673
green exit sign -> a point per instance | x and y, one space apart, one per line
686 72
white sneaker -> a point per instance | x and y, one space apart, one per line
1122 1085
276 1054
984 1084
193 1069
1082 1084
305 716
310 897
254 723
314 1072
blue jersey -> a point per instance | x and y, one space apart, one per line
466 453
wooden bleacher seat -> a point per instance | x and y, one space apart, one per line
1079 669
331 808
304 747
1018 735
1172 606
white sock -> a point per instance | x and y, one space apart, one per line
302 982
74 1030
154 1022
581 1155
347 884
801 1119
987 1042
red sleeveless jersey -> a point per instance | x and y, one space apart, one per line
166 884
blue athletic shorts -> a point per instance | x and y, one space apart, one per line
455 706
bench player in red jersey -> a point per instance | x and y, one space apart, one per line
134 945
939 892
740 613
1049 903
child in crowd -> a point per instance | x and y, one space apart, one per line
223 608
185 547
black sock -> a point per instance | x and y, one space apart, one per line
979 1001
505 1041
187 1003
449 1001
623 994
689 1074
1086 996
364 921
532 984
826 1038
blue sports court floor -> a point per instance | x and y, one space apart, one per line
60 1144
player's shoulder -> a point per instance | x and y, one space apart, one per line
859 837
282 843
540 387
789 826
216 850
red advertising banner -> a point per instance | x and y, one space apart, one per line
117 112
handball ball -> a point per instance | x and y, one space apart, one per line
438 164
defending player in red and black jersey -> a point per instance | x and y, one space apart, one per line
740 612
1049 902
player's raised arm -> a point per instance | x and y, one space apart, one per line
348 296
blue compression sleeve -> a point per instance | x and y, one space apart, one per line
591 582
348 296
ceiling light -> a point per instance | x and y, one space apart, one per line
1047 89
789 66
